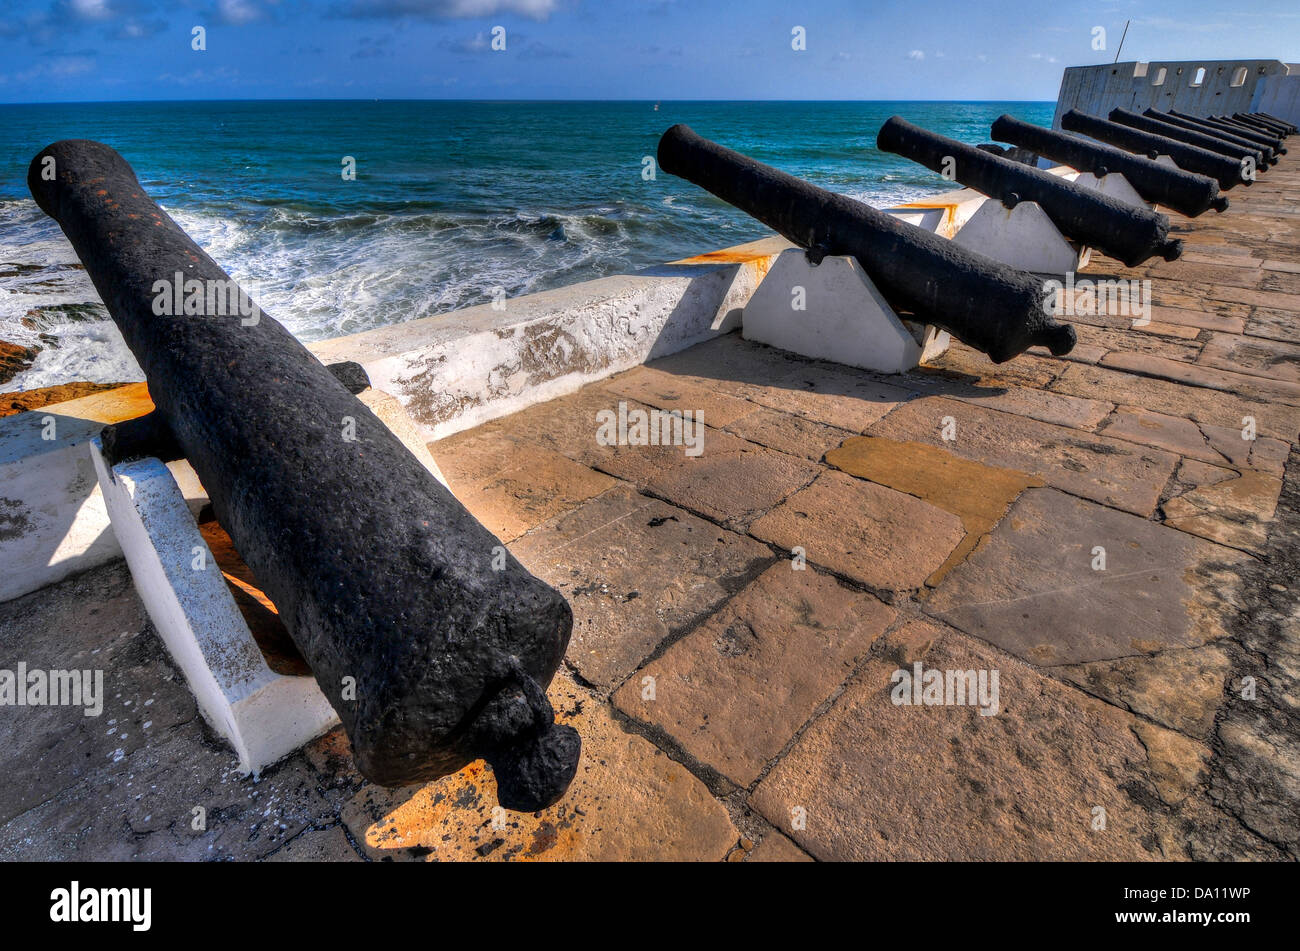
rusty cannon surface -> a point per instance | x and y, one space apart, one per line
384 581
983 303
1129 233
1219 127
1199 139
1185 192
1225 171
1269 148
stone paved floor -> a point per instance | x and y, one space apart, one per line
1095 529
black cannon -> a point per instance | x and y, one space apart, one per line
1219 127
1199 139
1267 148
1267 121
1240 126
384 581
1185 192
1123 231
1290 127
992 307
1222 169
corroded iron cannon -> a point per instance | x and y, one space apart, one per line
1127 232
1199 139
382 578
1267 148
1219 127
992 307
1185 192
1222 169
1267 121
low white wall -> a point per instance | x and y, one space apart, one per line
455 371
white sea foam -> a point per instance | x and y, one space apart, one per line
325 276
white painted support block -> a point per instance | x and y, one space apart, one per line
845 317
52 517
1166 161
1023 237
943 215
264 715
1114 185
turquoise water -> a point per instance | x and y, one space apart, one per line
451 200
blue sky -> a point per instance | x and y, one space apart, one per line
60 50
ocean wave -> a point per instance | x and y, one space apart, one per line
325 271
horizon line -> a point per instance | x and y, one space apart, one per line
117 102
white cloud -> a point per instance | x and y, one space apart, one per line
916 54
92 9
237 12
449 9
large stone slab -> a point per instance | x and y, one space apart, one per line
93 623
873 780
1180 689
1206 406
732 481
1253 387
628 802
1107 470
1281 325
636 571
788 433
1236 512
777 848
668 391
1042 405
1256 356
882 538
511 485
1032 590
1173 433
977 494
732 693
814 389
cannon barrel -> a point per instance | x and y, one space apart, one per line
1267 121
992 307
1281 123
1246 121
1268 148
382 578
1240 126
1123 231
1199 139
1222 169
1220 127
1185 192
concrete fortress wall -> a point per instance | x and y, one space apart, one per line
1196 87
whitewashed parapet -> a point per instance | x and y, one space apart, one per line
458 370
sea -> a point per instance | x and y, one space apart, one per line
449 201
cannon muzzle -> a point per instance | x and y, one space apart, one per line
1222 169
1123 231
1184 192
992 307
383 580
